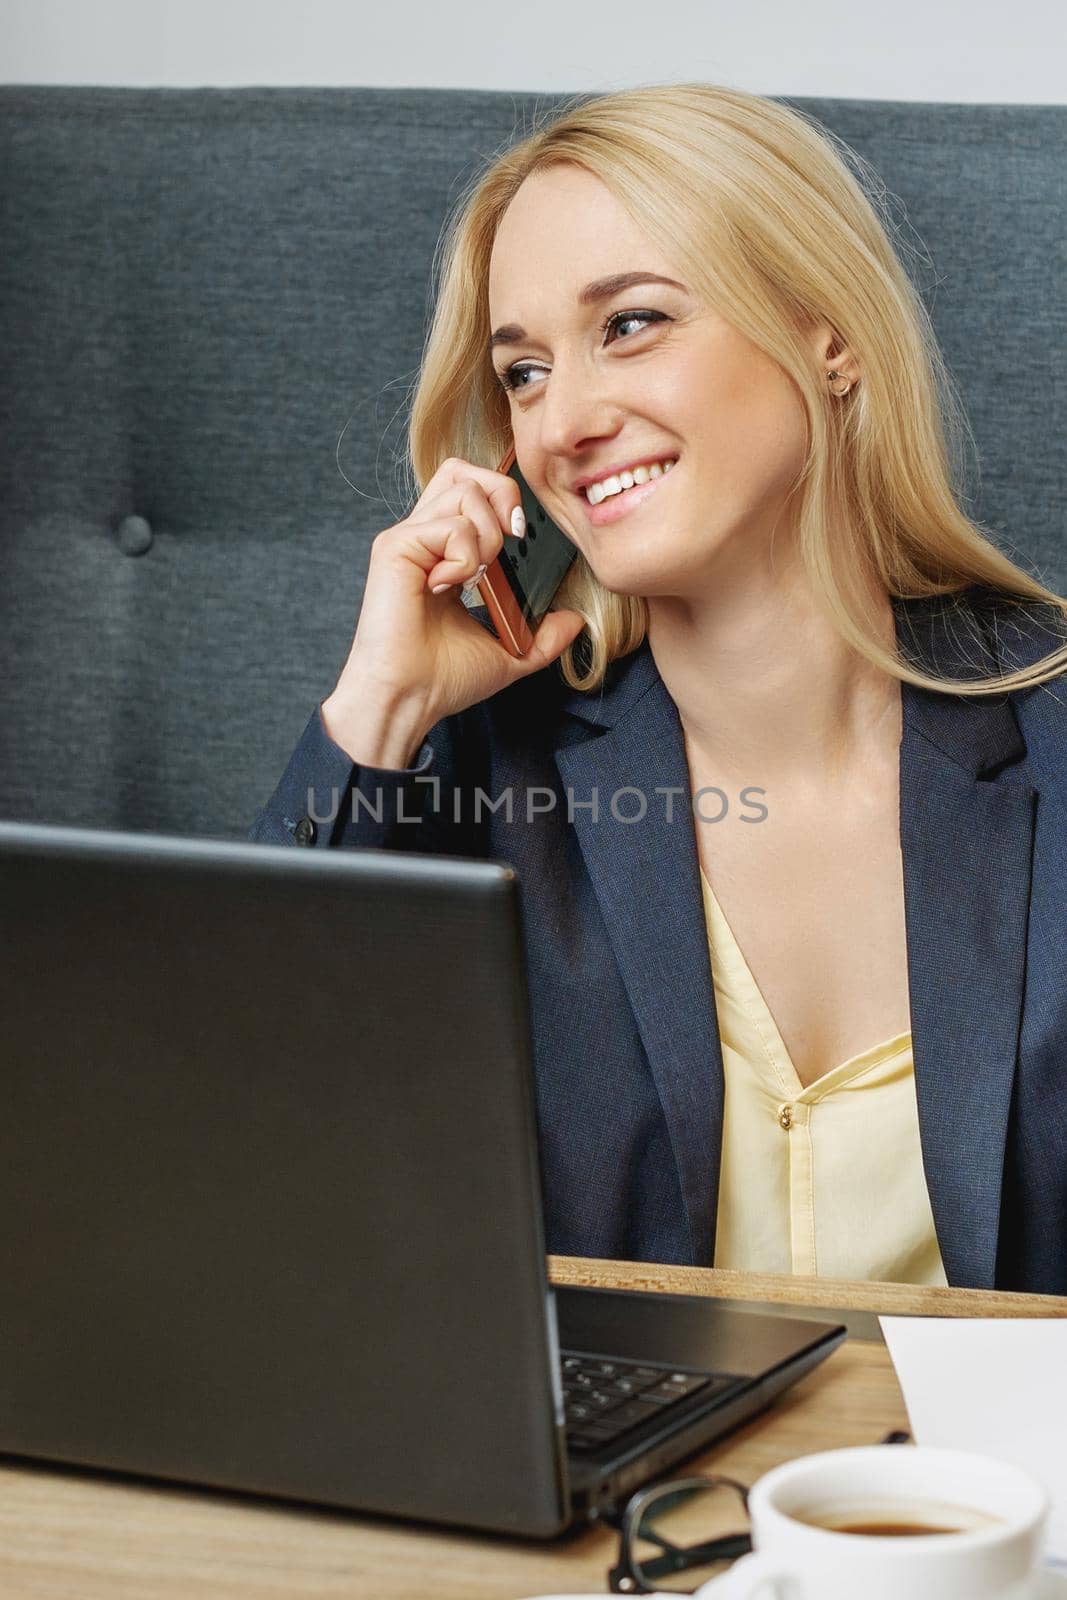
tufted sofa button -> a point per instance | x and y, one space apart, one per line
305 831
134 535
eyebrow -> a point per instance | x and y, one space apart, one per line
599 289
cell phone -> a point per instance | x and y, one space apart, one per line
520 585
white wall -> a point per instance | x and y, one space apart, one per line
963 50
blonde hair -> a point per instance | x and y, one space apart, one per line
756 204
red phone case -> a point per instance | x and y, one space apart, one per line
498 596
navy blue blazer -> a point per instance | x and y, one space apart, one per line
625 1033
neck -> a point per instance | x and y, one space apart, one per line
766 689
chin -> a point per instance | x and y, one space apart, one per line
633 590
637 584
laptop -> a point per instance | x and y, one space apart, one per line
270 1206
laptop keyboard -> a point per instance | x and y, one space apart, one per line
603 1400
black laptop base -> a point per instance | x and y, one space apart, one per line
749 1357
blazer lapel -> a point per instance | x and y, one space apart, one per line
966 845
646 878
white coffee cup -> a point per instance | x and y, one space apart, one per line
1002 1510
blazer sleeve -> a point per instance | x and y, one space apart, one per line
326 800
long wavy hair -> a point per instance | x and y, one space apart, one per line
758 206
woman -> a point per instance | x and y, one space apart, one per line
747 1054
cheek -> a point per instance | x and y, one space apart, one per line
754 437
733 405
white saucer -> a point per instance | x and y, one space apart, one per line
1050 1585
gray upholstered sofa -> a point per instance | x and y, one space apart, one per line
199 288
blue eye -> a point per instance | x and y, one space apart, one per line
512 376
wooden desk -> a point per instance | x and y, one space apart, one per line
79 1536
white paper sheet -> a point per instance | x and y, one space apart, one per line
997 1386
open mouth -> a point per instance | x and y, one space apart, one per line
624 500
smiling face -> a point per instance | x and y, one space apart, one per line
667 380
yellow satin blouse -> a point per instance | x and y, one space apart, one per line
825 1180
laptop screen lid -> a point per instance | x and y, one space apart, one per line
270 1212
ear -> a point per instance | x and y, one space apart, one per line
833 354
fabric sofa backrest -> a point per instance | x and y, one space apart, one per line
200 288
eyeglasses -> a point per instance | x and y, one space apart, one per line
669 1535
664 1543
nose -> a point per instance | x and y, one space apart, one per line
575 411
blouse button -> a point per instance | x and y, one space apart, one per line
785 1116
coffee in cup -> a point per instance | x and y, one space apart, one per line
896 1520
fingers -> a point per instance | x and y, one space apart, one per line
501 492
443 550
459 524
476 539
455 469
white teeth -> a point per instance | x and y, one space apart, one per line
596 492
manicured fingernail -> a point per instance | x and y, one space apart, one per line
518 522
439 588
